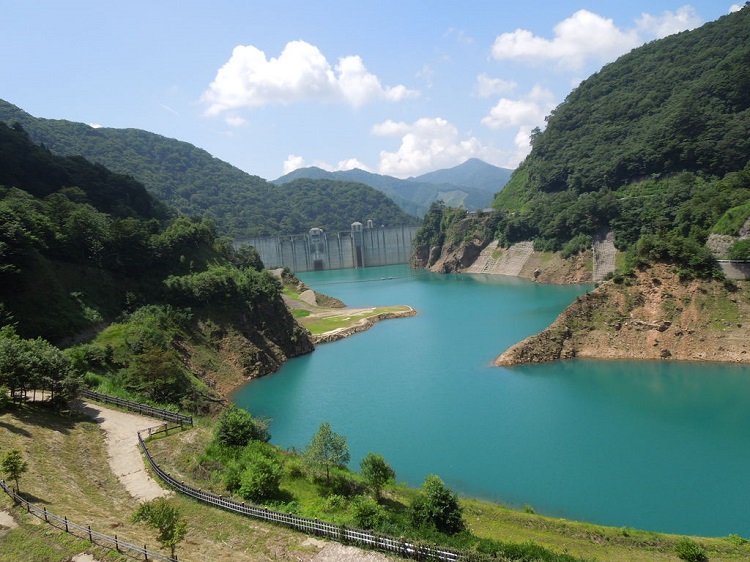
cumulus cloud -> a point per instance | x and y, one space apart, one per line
588 36
300 73
528 111
429 144
668 23
487 86
582 36
734 8
294 162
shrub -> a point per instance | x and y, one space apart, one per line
237 427
690 551
740 250
437 506
367 513
261 478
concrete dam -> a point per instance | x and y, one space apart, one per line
362 246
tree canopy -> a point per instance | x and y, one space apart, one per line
655 142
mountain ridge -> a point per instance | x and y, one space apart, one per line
196 183
471 184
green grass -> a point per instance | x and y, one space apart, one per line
323 325
300 313
303 496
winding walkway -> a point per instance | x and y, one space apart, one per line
124 456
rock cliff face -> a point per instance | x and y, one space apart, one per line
652 315
247 345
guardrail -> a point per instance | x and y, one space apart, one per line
138 407
94 537
304 524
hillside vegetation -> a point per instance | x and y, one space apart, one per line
470 185
653 146
195 183
83 249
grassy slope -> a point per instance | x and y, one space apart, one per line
81 487
69 475
179 455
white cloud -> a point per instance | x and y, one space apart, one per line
528 111
293 162
95 125
656 27
351 164
487 86
734 8
582 36
235 120
429 144
300 73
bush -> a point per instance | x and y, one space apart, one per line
261 478
690 551
237 427
740 250
367 513
437 506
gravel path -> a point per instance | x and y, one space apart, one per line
125 458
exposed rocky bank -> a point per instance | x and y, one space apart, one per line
651 315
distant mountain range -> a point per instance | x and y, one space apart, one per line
472 185
242 205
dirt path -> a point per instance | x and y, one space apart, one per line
125 458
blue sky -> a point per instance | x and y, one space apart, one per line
394 87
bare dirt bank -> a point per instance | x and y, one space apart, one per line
651 315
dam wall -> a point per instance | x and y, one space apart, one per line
362 246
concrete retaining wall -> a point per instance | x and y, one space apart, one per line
737 270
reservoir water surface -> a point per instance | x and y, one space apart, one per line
663 446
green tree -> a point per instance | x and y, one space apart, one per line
237 427
437 506
261 478
376 472
13 465
327 450
159 514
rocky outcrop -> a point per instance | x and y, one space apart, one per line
651 315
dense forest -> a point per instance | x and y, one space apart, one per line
654 146
195 183
82 248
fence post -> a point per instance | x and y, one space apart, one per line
91 540
145 552
45 515
117 544
66 523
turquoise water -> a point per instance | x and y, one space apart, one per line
662 446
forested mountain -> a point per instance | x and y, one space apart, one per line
335 205
81 247
471 185
473 173
655 146
195 183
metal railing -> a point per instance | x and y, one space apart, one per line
138 407
94 537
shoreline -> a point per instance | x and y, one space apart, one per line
361 325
